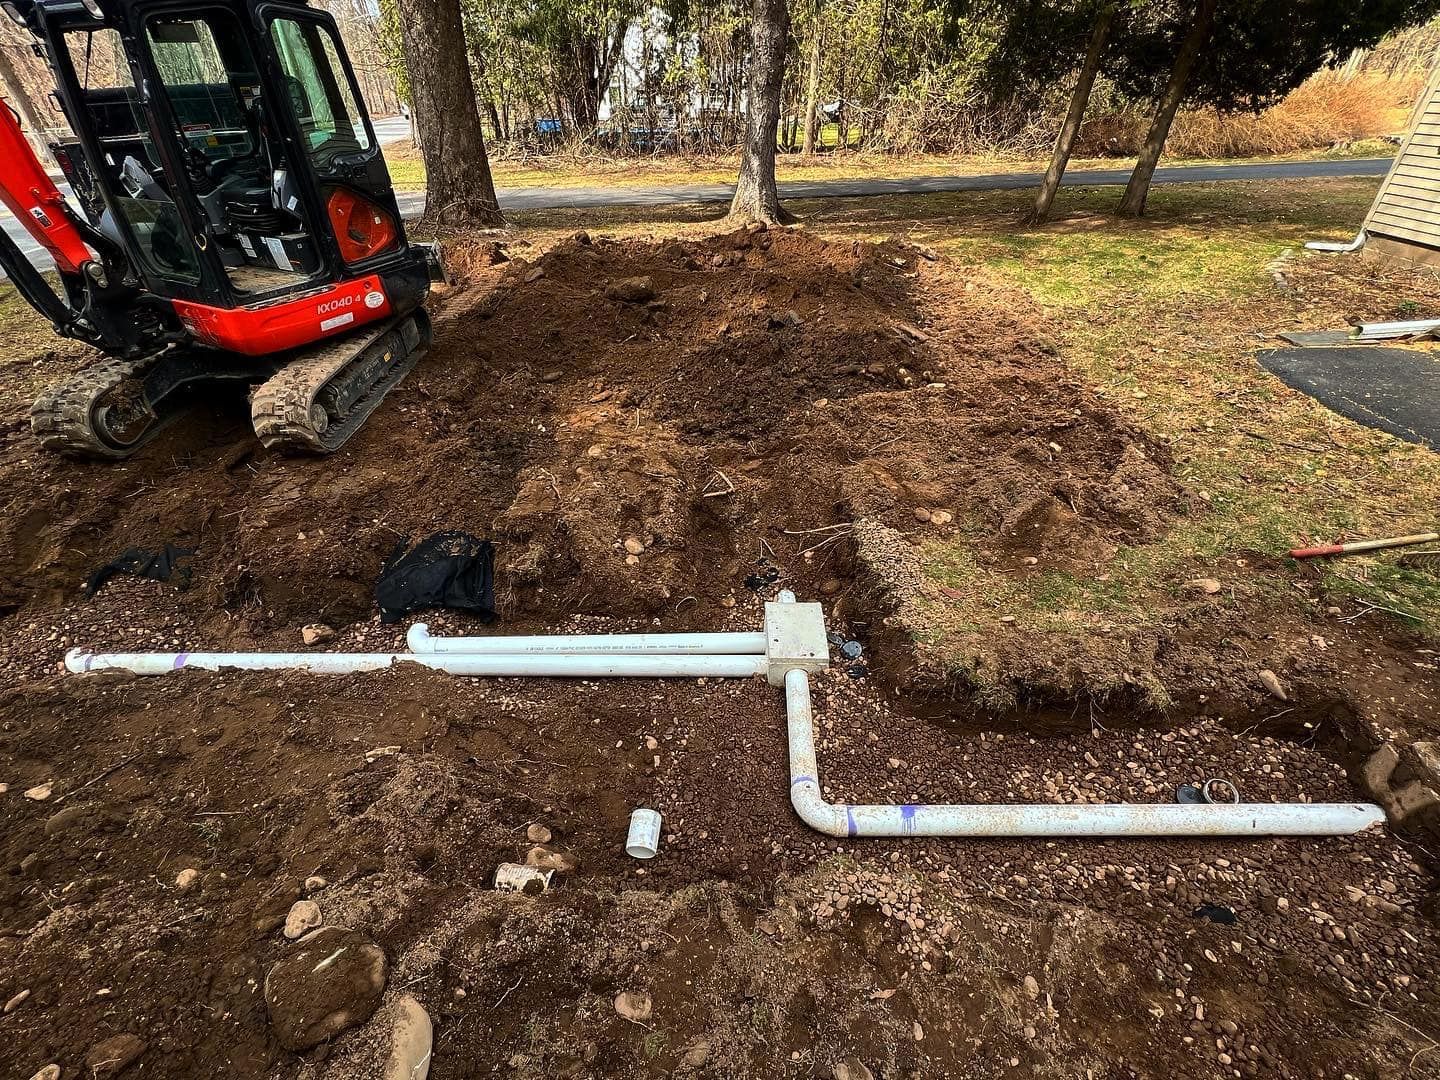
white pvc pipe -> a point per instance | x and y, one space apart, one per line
524 664
1042 819
738 644
1129 819
1342 247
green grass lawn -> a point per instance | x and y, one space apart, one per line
1163 318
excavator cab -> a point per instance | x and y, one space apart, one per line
230 218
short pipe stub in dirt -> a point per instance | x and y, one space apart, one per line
644 839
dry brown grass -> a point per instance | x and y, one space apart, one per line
1326 111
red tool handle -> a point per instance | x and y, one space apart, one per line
1311 552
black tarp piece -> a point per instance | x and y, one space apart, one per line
173 562
1392 390
448 570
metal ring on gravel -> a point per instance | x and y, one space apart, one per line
1211 788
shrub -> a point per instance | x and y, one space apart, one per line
1328 110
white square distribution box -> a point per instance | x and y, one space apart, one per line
794 638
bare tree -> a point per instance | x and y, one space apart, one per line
1138 189
1065 143
459 189
812 84
756 197
13 88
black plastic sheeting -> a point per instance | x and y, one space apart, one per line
157 566
1392 390
448 570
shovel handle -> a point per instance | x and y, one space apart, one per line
1363 545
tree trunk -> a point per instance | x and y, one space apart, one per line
812 89
614 50
459 190
14 90
1138 189
756 197
1071 128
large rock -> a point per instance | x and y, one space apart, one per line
635 290
328 983
112 1056
1407 787
73 815
411 1041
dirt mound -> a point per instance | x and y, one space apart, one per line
636 424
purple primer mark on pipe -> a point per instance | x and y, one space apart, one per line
850 824
797 780
907 818
180 659
89 659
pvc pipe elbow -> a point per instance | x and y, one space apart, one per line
418 639
820 815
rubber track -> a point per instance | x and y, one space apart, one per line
280 406
61 417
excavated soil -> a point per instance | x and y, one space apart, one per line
749 411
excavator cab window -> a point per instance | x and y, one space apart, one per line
320 95
337 138
235 167
110 99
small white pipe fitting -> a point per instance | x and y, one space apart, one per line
1127 819
739 644
643 840
523 664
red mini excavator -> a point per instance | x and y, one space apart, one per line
232 221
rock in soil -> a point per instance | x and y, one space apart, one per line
411 1042
538 834
48 1072
695 1055
634 1005
327 984
317 634
546 858
186 878
304 916
1273 686
39 793
634 290
72 815
112 1056
852 1069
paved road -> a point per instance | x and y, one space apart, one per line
391 129
549 198
412 203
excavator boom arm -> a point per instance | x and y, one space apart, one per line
34 199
